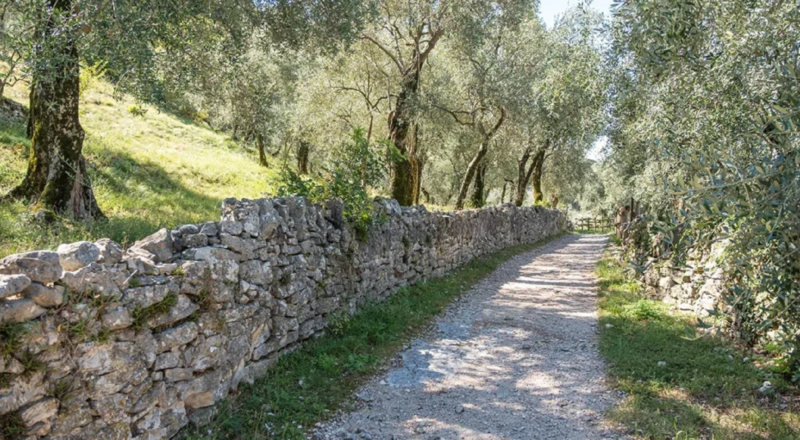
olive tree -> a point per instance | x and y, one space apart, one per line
141 41
407 33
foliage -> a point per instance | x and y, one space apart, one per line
705 130
677 386
310 384
357 167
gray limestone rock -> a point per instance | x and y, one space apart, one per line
175 337
45 296
74 256
19 310
13 284
110 251
40 266
158 244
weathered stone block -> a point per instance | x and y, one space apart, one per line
40 266
19 310
13 284
74 256
158 244
175 337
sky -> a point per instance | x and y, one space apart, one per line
549 10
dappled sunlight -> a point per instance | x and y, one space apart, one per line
516 360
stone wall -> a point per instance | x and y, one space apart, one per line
696 286
105 343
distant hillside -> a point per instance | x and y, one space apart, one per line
149 170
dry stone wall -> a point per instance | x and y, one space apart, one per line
696 286
101 342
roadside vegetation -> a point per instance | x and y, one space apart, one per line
311 384
679 385
150 169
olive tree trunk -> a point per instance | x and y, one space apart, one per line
536 177
402 130
303 150
56 178
262 152
478 199
527 173
472 168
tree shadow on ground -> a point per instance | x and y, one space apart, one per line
679 385
137 196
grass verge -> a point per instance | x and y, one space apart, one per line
679 386
149 170
309 385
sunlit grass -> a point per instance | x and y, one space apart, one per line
149 171
704 388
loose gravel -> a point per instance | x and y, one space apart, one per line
514 358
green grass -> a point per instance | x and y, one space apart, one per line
309 385
149 171
704 391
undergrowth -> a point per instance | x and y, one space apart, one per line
678 385
309 385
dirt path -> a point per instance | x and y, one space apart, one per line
514 358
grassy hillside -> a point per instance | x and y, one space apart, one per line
149 171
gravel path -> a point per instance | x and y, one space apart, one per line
514 358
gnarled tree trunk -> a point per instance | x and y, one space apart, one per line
401 128
417 164
478 198
479 155
401 131
262 152
526 173
56 178
303 150
536 177
472 168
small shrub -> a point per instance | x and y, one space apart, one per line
79 330
31 362
62 391
11 337
137 110
12 427
356 167
5 379
90 76
643 310
103 336
141 315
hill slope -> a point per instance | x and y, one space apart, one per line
149 171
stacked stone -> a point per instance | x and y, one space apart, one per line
138 343
695 287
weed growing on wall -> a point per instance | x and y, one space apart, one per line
356 168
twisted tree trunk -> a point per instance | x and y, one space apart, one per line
262 152
538 166
401 127
478 199
56 177
472 168
401 185
302 157
526 173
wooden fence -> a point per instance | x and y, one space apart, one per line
594 224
